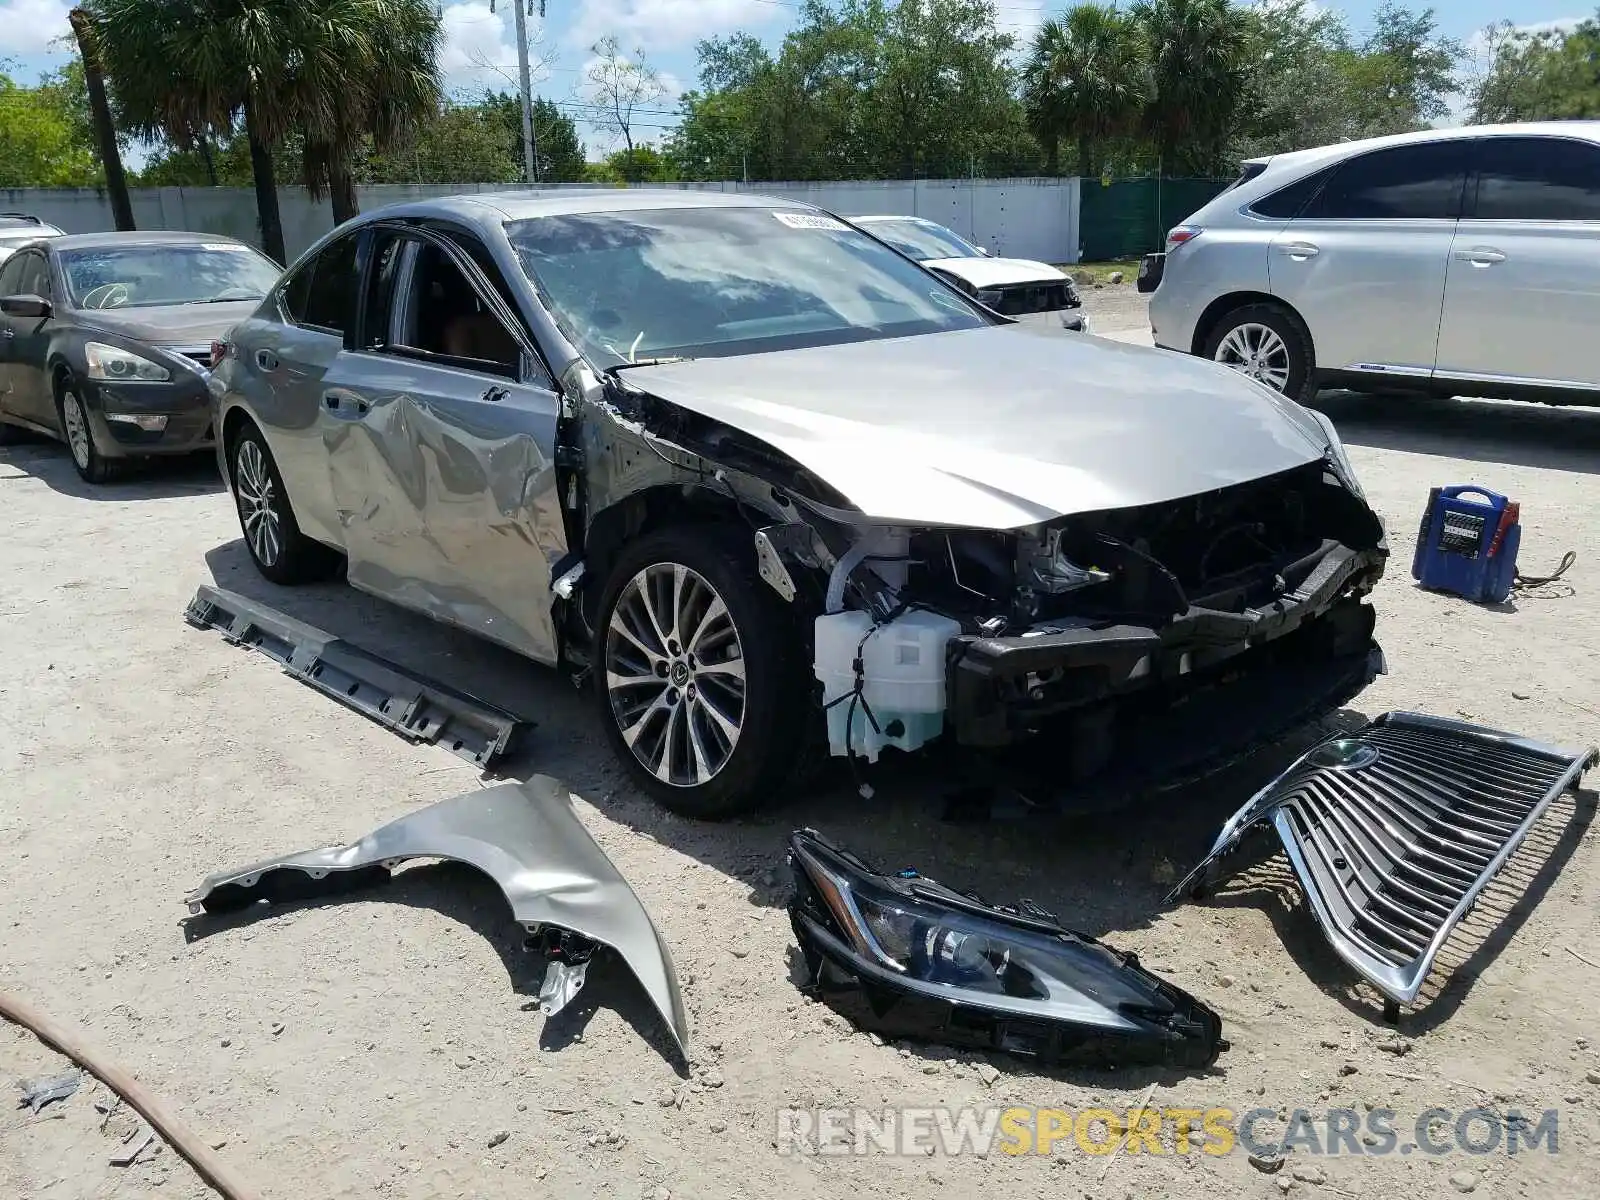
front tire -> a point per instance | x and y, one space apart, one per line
279 550
698 673
1268 344
91 465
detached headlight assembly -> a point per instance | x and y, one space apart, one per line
112 364
1337 455
908 957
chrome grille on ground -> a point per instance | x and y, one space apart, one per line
1395 831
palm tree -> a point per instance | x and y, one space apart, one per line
181 70
377 61
105 131
1197 56
1085 79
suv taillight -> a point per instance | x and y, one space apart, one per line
1180 235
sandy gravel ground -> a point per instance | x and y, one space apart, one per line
383 1045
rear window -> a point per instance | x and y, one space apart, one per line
1423 181
1290 200
1249 172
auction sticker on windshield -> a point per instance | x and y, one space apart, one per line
796 220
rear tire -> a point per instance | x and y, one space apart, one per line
1268 343
279 550
699 672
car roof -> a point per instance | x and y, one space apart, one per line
1587 130
14 222
879 217
522 203
141 237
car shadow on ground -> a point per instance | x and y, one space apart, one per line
149 479
1497 432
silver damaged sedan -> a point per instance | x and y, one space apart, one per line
775 491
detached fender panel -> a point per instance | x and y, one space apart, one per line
525 837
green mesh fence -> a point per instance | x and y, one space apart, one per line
1125 218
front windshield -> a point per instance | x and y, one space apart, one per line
922 240
179 273
705 282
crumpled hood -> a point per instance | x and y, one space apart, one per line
997 272
172 324
1001 427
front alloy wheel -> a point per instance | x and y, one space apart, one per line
700 671
675 674
93 466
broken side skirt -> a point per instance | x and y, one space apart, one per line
418 709
1394 832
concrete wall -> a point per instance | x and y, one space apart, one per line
1017 218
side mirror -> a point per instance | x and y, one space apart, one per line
25 306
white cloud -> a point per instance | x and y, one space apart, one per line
480 47
31 26
659 25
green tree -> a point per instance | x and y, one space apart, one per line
1402 76
184 71
1198 66
561 156
1086 81
42 142
1539 76
365 77
642 164
1296 83
859 89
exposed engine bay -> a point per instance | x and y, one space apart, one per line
987 636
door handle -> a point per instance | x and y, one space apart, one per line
266 360
496 393
1482 256
1300 251
345 406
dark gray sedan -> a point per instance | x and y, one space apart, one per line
105 339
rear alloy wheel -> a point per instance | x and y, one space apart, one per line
695 673
1269 345
277 547
93 466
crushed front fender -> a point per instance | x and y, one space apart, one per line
524 836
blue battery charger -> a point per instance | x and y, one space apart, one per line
1468 546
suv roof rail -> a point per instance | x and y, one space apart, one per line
23 217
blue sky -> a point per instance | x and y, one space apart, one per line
480 50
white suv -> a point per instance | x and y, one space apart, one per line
1459 261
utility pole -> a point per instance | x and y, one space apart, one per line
530 145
